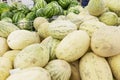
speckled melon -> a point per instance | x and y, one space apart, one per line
73 46
32 56
93 67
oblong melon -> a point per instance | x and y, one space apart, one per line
33 73
73 46
93 67
32 56
3 46
20 39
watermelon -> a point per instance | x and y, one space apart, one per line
53 8
74 10
4 7
6 14
31 16
74 3
49 11
64 3
40 4
18 16
40 12
25 24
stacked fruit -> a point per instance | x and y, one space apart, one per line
84 46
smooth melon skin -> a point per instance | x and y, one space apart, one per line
59 69
35 55
93 67
5 63
73 46
20 39
114 62
105 41
43 30
38 21
3 46
4 73
33 73
11 54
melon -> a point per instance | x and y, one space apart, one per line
34 55
20 39
73 46
59 69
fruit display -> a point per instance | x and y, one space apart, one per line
60 40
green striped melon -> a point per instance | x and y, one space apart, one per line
64 3
49 11
40 12
40 4
6 14
31 16
18 16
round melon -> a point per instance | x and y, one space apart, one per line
109 18
3 46
59 70
60 28
20 39
33 73
73 46
32 56
38 21
105 41
43 30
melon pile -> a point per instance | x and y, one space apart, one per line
84 46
